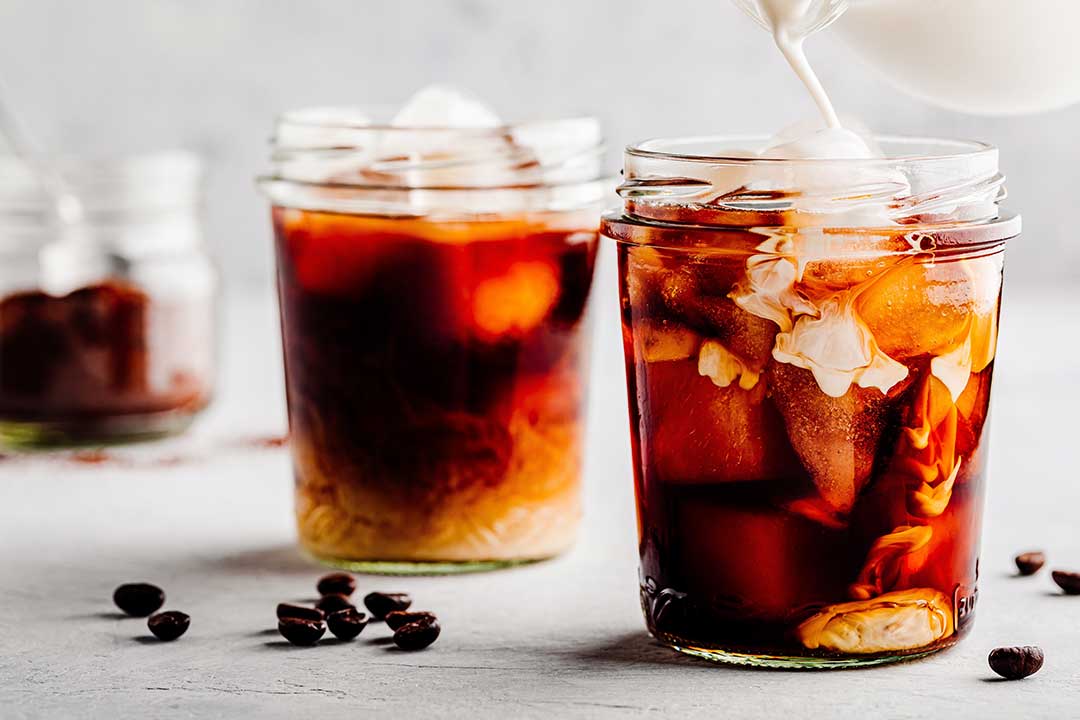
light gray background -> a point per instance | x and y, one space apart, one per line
130 75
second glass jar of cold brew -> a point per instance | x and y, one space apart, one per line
809 348
433 286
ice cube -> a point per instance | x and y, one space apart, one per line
848 195
644 279
715 315
821 144
835 437
901 620
855 134
330 253
517 300
698 433
919 308
831 263
443 106
661 340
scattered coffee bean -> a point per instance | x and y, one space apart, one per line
301 632
139 599
417 635
1030 563
346 624
169 625
397 618
288 611
382 603
332 603
336 584
1015 663
1067 581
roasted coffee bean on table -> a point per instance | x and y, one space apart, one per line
346 624
1067 581
139 599
417 635
1030 563
336 584
169 625
301 632
397 618
382 603
333 602
299 612
1015 663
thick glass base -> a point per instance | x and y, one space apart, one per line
414 567
45 434
802 662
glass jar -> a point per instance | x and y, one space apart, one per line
433 286
108 328
809 349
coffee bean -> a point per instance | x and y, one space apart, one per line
417 635
1030 563
169 625
346 624
1067 581
301 632
382 603
397 618
1015 663
332 603
336 584
288 611
139 599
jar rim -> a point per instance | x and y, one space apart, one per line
741 146
347 146
725 181
347 159
359 117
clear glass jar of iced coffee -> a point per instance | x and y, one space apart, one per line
107 328
809 349
433 285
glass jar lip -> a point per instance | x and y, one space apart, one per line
348 157
958 149
361 117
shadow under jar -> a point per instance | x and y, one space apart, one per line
809 348
108 328
433 287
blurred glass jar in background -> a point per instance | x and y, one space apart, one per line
108 329
433 285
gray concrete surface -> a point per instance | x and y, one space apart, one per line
558 639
